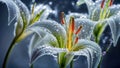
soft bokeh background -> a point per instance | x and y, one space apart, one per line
19 56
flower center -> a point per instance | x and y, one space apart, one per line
72 35
104 12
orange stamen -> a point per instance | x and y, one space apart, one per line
72 24
79 29
102 4
111 2
62 18
76 39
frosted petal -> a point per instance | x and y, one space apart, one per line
45 50
13 10
23 9
114 23
87 29
90 4
56 29
45 14
114 9
91 50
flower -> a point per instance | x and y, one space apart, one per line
104 13
64 40
18 12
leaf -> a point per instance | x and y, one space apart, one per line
56 29
89 49
13 10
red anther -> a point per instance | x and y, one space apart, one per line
102 4
72 24
62 18
111 2
79 29
76 39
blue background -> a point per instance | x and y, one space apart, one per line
19 56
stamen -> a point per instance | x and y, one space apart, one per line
76 39
79 29
72 22
102 4
111 2
33 7
62 18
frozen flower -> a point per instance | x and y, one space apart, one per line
65 41
104 13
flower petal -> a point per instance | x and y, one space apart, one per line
13 10
56 29
114 23
45 50
89 49
87 28
45 14
23 10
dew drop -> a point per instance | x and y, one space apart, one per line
50 3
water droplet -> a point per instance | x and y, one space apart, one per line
50 3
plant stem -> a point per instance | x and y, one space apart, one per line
71 64
99 65
8 53
61 67
31 66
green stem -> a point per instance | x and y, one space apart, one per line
99 65
8 53
71 64
31 66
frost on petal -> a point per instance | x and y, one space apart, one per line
91 50
23 9
114 9
114 23
56 29
87 29
45 50
41 37
76 16
90 4
46 13
13 10
95 13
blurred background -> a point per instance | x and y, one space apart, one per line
19 56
